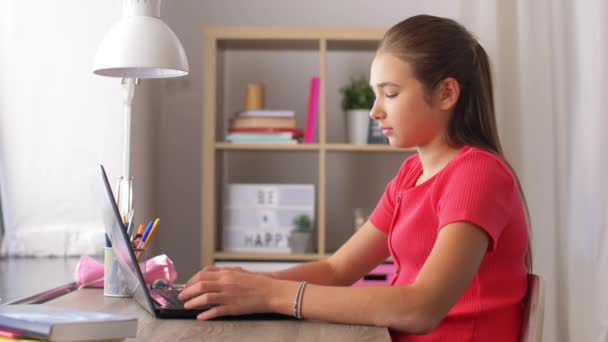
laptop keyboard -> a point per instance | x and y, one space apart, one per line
170 295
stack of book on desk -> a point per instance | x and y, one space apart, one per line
264 126
43 322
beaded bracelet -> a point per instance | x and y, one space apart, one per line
297 304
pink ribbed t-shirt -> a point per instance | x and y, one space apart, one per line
477 187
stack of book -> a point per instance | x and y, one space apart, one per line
264 126
44 322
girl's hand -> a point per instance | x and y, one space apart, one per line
234 268
222 268
234 290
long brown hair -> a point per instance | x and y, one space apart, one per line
437 48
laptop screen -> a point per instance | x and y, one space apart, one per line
123 250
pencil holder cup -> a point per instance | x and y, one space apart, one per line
115 282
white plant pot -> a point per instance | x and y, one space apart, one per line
357 121
300 242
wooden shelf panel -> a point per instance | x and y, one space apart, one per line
266 256
312 147
286 147
365 148
291 33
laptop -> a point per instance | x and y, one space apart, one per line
162 303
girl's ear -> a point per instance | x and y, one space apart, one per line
449 92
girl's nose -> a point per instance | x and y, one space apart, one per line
377 112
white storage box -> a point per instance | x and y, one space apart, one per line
249 239
269 195
259 217
264 217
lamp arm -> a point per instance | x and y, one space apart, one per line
129 90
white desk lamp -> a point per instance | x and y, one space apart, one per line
140 45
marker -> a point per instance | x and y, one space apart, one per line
146 232
147 240
140 230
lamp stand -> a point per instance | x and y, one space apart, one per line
124 195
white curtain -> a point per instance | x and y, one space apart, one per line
585 197
57 122
561 53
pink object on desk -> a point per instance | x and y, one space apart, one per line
381 275
158 267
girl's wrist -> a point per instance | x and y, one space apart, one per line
270 275
282 295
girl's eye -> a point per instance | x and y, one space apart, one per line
390 96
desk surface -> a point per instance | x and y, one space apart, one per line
152 329
21 277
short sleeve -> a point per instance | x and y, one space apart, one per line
382 216
481 191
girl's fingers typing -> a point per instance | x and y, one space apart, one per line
205 299
218 311
199 288
205 274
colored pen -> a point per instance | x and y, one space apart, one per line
156 222
146 232
140 230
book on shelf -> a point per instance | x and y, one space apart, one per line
313 106
262 121
296 132
260 135
240 137
268 113
59 324
290 141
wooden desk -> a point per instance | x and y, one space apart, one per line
152 329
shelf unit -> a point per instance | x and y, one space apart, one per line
232 52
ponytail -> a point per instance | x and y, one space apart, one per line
480 103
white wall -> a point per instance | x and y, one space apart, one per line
57 122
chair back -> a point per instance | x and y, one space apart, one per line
533 310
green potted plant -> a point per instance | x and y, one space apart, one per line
301 234
357 101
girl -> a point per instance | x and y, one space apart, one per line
452 219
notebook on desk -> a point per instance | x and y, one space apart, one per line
162 303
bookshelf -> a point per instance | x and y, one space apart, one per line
284 60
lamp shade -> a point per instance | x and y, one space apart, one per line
141 45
